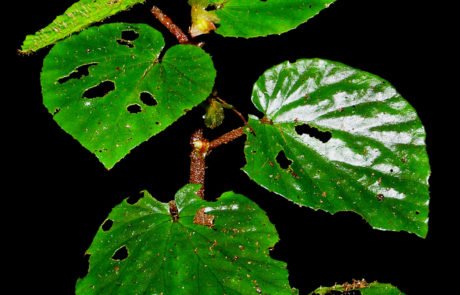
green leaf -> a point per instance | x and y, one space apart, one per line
374 288
170 251
254 18
370 157
77 17
146 93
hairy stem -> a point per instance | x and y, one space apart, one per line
197 160
226 138
201 148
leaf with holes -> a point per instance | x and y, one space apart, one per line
188 246
339 139
108 87
254 18
77 17
364 288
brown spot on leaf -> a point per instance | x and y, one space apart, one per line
293 173
380 197
213 245
355 285
265 120
202 218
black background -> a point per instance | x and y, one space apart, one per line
61 193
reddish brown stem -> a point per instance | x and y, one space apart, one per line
168 23
200 148
226 138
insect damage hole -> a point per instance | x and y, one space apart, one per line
127 38
78 73
83 266
148 99
107 225
134 108
120 254
129 35
135 198
282 160
100 90
313 132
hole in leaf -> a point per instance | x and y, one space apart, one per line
134 108
77 73
107 225
148 99
313 132
282 160
417 212
133 199
120 254
127 38
129 35
101 90
83 266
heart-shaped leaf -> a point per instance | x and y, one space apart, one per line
77 17
188 246
339 139
254 18
364 288
109 89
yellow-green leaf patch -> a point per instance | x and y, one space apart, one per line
77 17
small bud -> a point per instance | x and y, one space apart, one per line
214 114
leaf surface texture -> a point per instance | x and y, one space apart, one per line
254 18
340 139
229 255
109 89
